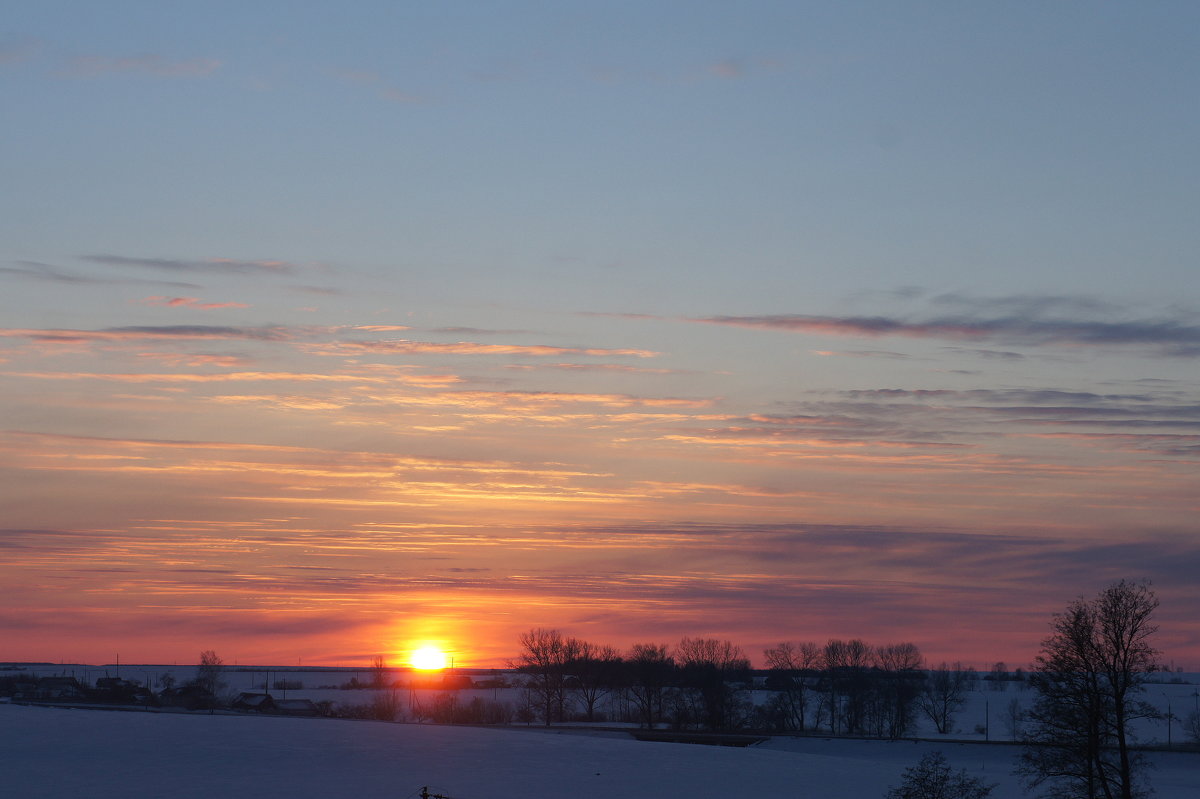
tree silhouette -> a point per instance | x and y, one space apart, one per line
932 778
1089 672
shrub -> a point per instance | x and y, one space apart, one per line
932 779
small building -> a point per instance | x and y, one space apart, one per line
120 691
254 703
296 707
188 697
59 689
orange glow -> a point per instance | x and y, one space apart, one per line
428 658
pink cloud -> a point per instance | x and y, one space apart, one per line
179 358
150 333
407 347
191 302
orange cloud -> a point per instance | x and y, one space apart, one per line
219 377
191 302
542 399
188 359
407 347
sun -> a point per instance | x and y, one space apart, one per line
428 658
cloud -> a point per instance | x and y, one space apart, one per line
1165 444
195 359
208 265
93 66
151 332
861 354
1169 336
191 302
120 443
39 271
34 270
1043 395
997 355
479 331
323 290
591 367
216 377
728 68
407 347
1025 304
367 77
544 399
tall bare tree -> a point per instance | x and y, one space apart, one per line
945 693
648 670
900 678
592 673
710 670
795 664
544 655
1089 673
208 672
379 672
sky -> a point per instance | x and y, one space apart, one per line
328 330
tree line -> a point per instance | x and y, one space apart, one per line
1078 736
843 687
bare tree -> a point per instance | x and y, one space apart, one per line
999 676
709 670
208 673
794 665
1089 672
1191 726
379 672
543 657
385 705
856 684
592 672
833 664
944 694
648 670
899 684
1014 718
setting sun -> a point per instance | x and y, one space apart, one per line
428 658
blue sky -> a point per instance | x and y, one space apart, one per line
694 253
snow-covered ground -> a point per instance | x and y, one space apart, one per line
54 752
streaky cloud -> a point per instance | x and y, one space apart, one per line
191 302
1172 337
208 265
479 331
152 332
862 354
35 270
408 347
591 367
1025 304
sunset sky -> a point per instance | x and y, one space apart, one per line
330 329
